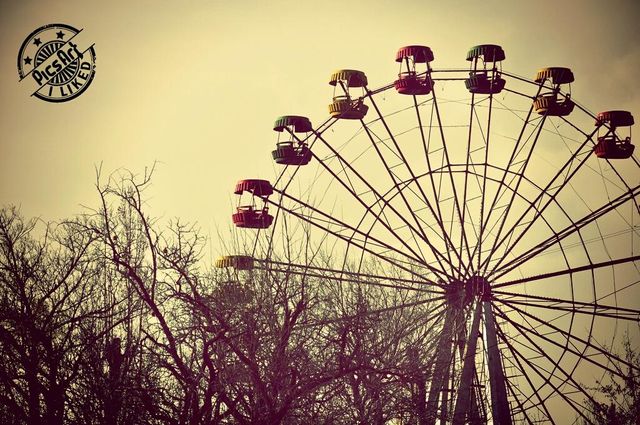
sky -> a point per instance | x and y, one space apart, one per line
195 86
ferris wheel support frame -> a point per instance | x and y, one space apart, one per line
499 404
465 396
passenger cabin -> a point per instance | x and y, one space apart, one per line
611 145
250 215
238 262
551 101
343 105
485 69
411 80
295 150
247 216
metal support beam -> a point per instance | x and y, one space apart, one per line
499 403
440 375
465 394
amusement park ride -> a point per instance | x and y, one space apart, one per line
475 225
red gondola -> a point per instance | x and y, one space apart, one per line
411 81
611 146
247 216
250 216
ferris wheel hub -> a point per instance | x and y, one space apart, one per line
460 294
478 286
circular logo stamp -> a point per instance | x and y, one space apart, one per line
57 61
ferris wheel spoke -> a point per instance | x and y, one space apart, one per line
332 220
568 341
543 246
354 281
531 325
517 356
571 336
392 176
571 270
423 196
518 177
525 124
391 194
584 308
524 331
634 200
483 190
434 314
331 271
572 306
562 234
520 196
399 191
381 216
431 314
480 181
446 158
380 198
350 241
353 277
329 220
465 185
557 366
545 192
425 146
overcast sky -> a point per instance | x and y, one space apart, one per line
196 85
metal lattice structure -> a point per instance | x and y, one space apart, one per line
497 195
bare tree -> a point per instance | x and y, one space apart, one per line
113 317
161 270
389 338
622 396
47 303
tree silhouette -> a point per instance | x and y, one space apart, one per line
622 396
112 317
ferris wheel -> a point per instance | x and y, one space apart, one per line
513 205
